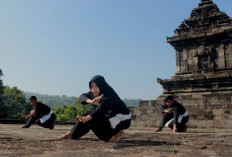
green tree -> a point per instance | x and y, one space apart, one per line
59 111
16 103
69 112
66 113
2 105
81 109
52 100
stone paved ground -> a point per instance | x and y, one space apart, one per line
40 142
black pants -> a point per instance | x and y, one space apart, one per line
101 128
166 117
47 124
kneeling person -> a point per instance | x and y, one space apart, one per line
41 115
174 115
109 115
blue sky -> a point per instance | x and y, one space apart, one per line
56 46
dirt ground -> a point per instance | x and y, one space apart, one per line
40 142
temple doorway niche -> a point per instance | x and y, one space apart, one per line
203 62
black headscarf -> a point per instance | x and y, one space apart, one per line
104 87
110 101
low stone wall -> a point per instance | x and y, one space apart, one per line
15 121
206 110
10 121
147 114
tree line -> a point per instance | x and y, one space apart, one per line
14 104
56 100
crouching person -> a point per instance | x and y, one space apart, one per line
174 115
109 116
41 114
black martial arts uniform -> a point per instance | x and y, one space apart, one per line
44 116
111 116
178 116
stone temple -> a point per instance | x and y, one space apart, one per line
203 78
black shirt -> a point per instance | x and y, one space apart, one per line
110 104
178 109
42 109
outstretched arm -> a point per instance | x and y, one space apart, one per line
101 110
33 113
98 112
87 98
95 101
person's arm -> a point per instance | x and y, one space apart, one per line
86 99
33 113
85 119
168 110
95 101
178 109
102 109
175 116
174 128
164 109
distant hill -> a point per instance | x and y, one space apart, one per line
54 100
132 102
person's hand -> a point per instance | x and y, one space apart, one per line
26 116
84 119
96 100
174 128
168 110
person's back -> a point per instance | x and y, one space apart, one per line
42 109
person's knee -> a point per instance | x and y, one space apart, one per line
38 122
106 138
123 125
170 126
73 136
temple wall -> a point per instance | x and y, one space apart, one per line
178 67
203 79
206 110
221 57
188 61
229 55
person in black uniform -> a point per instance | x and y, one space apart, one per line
174 115
109 116
41 114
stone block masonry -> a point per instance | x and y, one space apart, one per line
203 78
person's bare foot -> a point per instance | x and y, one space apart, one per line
65 136
158 130
24 126
117 137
